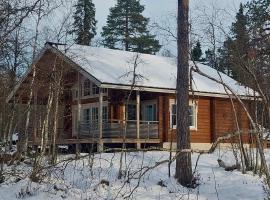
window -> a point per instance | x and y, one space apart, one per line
75 121
95 89
90 117
104 90
173 116
131 112
86 116
105 113
192 115
85 120
94 118
150 112
87 88
75 93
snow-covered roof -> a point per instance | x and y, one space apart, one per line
116 66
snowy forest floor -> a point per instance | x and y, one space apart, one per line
77 179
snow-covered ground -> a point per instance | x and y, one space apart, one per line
73 180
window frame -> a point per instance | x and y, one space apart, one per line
87 89
131 103
148 103
192 103
91 93
84 107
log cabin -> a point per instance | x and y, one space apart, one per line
112 96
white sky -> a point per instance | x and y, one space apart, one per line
161 11
156 9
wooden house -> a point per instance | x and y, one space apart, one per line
112 96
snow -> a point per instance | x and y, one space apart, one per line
114 67
72 180
15 137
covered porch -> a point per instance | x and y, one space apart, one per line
108 118
111 118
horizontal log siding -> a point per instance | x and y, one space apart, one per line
225 120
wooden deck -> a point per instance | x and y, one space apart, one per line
95 140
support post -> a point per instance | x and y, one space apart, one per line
138 118
100 120
79 113
35 117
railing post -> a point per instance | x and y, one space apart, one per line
35 117
138 118
100 120
148 129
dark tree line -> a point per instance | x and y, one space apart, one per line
247 46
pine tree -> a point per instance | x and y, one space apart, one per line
210 58
238 47
223 58
258 16
84 26
183 170
196 52
127 29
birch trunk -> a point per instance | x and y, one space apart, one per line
24 136
55 129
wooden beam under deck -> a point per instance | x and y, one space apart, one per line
105 140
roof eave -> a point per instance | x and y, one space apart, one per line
169 90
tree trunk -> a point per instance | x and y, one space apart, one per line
183 161
23 137
55 126
126 30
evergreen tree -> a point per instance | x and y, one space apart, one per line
84 26
234 54
223 58
210 58
196 52
127 29
238 47
258 15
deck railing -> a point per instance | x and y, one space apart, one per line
120 129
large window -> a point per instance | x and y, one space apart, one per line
150 112
90 88
131 112
192 115
87 88
94 118
86 115
95 89
105 113
90 116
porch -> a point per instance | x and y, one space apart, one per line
106 118
113 131
116 129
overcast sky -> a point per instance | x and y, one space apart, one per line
156 9
163 12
